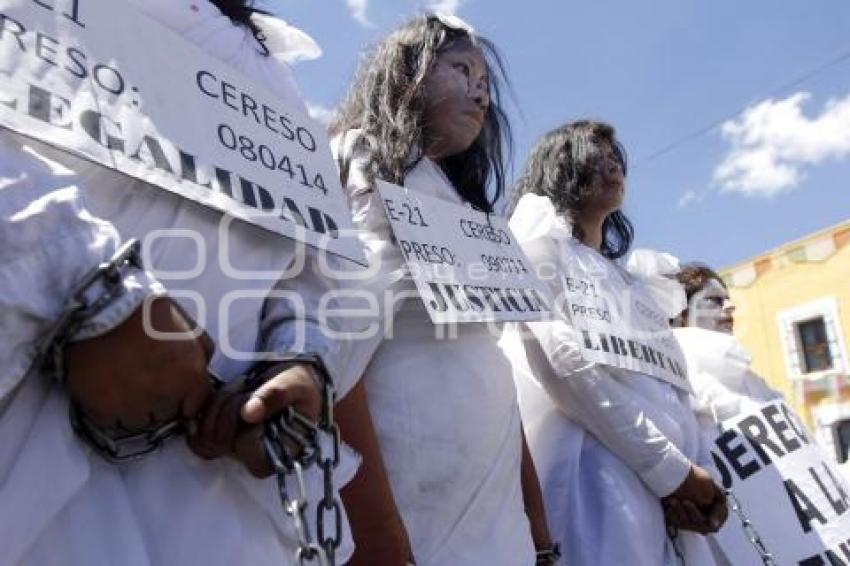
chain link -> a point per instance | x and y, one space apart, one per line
750 530
288 428
97 291
293 444
735 505
117 445
107 281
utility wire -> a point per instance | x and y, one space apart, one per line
844 56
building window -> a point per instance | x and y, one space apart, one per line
812 339
841 430
814 345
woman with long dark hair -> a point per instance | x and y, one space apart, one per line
131 392
612 441
435 418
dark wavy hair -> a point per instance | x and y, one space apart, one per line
387 104
694 275
561 167
239 12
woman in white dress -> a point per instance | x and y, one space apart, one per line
718 364
64 504
435 418
724 384
610 444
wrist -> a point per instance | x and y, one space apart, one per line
548 554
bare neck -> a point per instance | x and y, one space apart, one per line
591 228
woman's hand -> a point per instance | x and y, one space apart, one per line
698 504
233 422
127 378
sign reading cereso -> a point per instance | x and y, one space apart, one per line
466 264
98 79
791 490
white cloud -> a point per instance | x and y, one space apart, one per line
445 6
773 142
358 9
689 198
321 113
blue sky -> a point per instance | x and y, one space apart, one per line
776 166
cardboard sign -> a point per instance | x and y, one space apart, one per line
98 79
791 490
467 265
619 324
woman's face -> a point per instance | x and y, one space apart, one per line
711 308
608 187
457 96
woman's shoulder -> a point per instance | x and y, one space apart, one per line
535 217
655 272
203 24
351 151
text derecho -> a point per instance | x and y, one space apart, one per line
788 487
466 265
103 81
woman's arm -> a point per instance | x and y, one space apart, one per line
115 370
533 499
590 394
379 533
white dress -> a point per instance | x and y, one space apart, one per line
607 443
445 410
62 504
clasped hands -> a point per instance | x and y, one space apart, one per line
130 380
698 504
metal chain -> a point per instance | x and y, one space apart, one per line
115 444
329 511
97 291
107 280
293 444
735 505
750 530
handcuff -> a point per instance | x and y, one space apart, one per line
100 288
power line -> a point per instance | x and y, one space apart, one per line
844 56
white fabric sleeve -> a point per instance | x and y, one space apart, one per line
50 243
386 283
592 395
350 322
706 437
298 316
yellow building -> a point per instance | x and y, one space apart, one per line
793 314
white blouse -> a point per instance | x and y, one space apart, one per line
607 442
444 408
64 505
